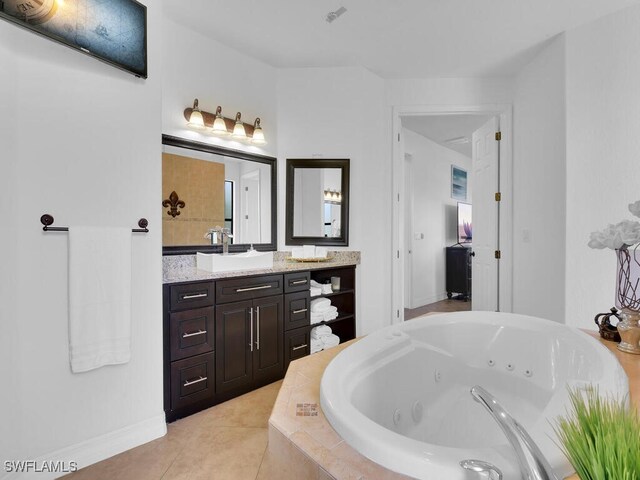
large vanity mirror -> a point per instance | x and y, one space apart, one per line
207 188
317 202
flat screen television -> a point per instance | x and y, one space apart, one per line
465 232
114 31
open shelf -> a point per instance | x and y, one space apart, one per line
329 295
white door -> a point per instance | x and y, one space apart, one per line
250 208
485 161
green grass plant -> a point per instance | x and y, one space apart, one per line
600 437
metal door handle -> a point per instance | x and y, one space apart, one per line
201 379
258 326
302 310
251 322
298 348
299 282
194 334
251 289
198 295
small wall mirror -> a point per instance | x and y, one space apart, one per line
317 202
206 186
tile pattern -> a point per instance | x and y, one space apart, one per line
182 268
451 305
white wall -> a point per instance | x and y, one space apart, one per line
196 66
603 148
338 113
539 185
434 215
80 140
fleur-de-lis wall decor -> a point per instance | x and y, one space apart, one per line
174 203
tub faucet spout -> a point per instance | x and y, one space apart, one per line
533 465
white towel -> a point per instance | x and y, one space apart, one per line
320 305
314 292
330 315
316 318
330 341
316 345
309 251
297 252
99 297
326 289
315 284
320 331
321 252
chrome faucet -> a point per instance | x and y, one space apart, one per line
222 237
533 465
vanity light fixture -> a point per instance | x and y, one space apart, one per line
216 124
332 196
219 125
258 134
196 119
238 129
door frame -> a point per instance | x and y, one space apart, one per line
398 243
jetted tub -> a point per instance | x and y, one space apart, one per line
400 396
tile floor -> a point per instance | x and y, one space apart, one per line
452 305
225 442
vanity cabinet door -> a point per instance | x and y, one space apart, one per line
234 330
297 310
268 352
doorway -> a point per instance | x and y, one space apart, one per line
419 229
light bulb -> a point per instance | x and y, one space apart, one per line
219 125
196 120
258 134
238 129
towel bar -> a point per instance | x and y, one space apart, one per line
47 220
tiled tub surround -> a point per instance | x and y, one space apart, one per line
306 446
182 268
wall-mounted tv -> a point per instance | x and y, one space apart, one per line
114 31
465 231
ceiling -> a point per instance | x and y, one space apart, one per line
392 38
440 128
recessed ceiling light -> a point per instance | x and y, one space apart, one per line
331 16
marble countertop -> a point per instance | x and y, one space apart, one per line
182 268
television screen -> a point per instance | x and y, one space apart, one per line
464 223
114 31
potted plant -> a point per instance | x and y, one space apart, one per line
600 437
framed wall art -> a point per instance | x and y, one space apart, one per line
458 183
114 31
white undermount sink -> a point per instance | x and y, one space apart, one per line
218 262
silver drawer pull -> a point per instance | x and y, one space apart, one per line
197 295
251 289
298 348
302 310
201 379
194 334
299 282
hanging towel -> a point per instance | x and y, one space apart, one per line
320 305
320 331
316 345
99 297
330 341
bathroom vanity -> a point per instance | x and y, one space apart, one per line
226 334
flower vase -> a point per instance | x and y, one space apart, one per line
628 299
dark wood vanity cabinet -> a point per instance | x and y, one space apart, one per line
227 337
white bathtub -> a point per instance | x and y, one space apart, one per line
400 396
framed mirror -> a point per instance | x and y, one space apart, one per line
206 186
317 202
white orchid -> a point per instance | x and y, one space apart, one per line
634 208
620 235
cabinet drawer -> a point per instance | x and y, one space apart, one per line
191 295
296 310
192 380
248 288
192 332
296 282
297 344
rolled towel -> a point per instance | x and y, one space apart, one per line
320 331
328 316
330 341
315 291
320 305
317 318
316 345
326 289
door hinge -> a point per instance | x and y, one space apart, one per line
498 136
397 313
398 253
498 254
398 137
246 189
498 196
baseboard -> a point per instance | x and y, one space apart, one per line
430 299
97 449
